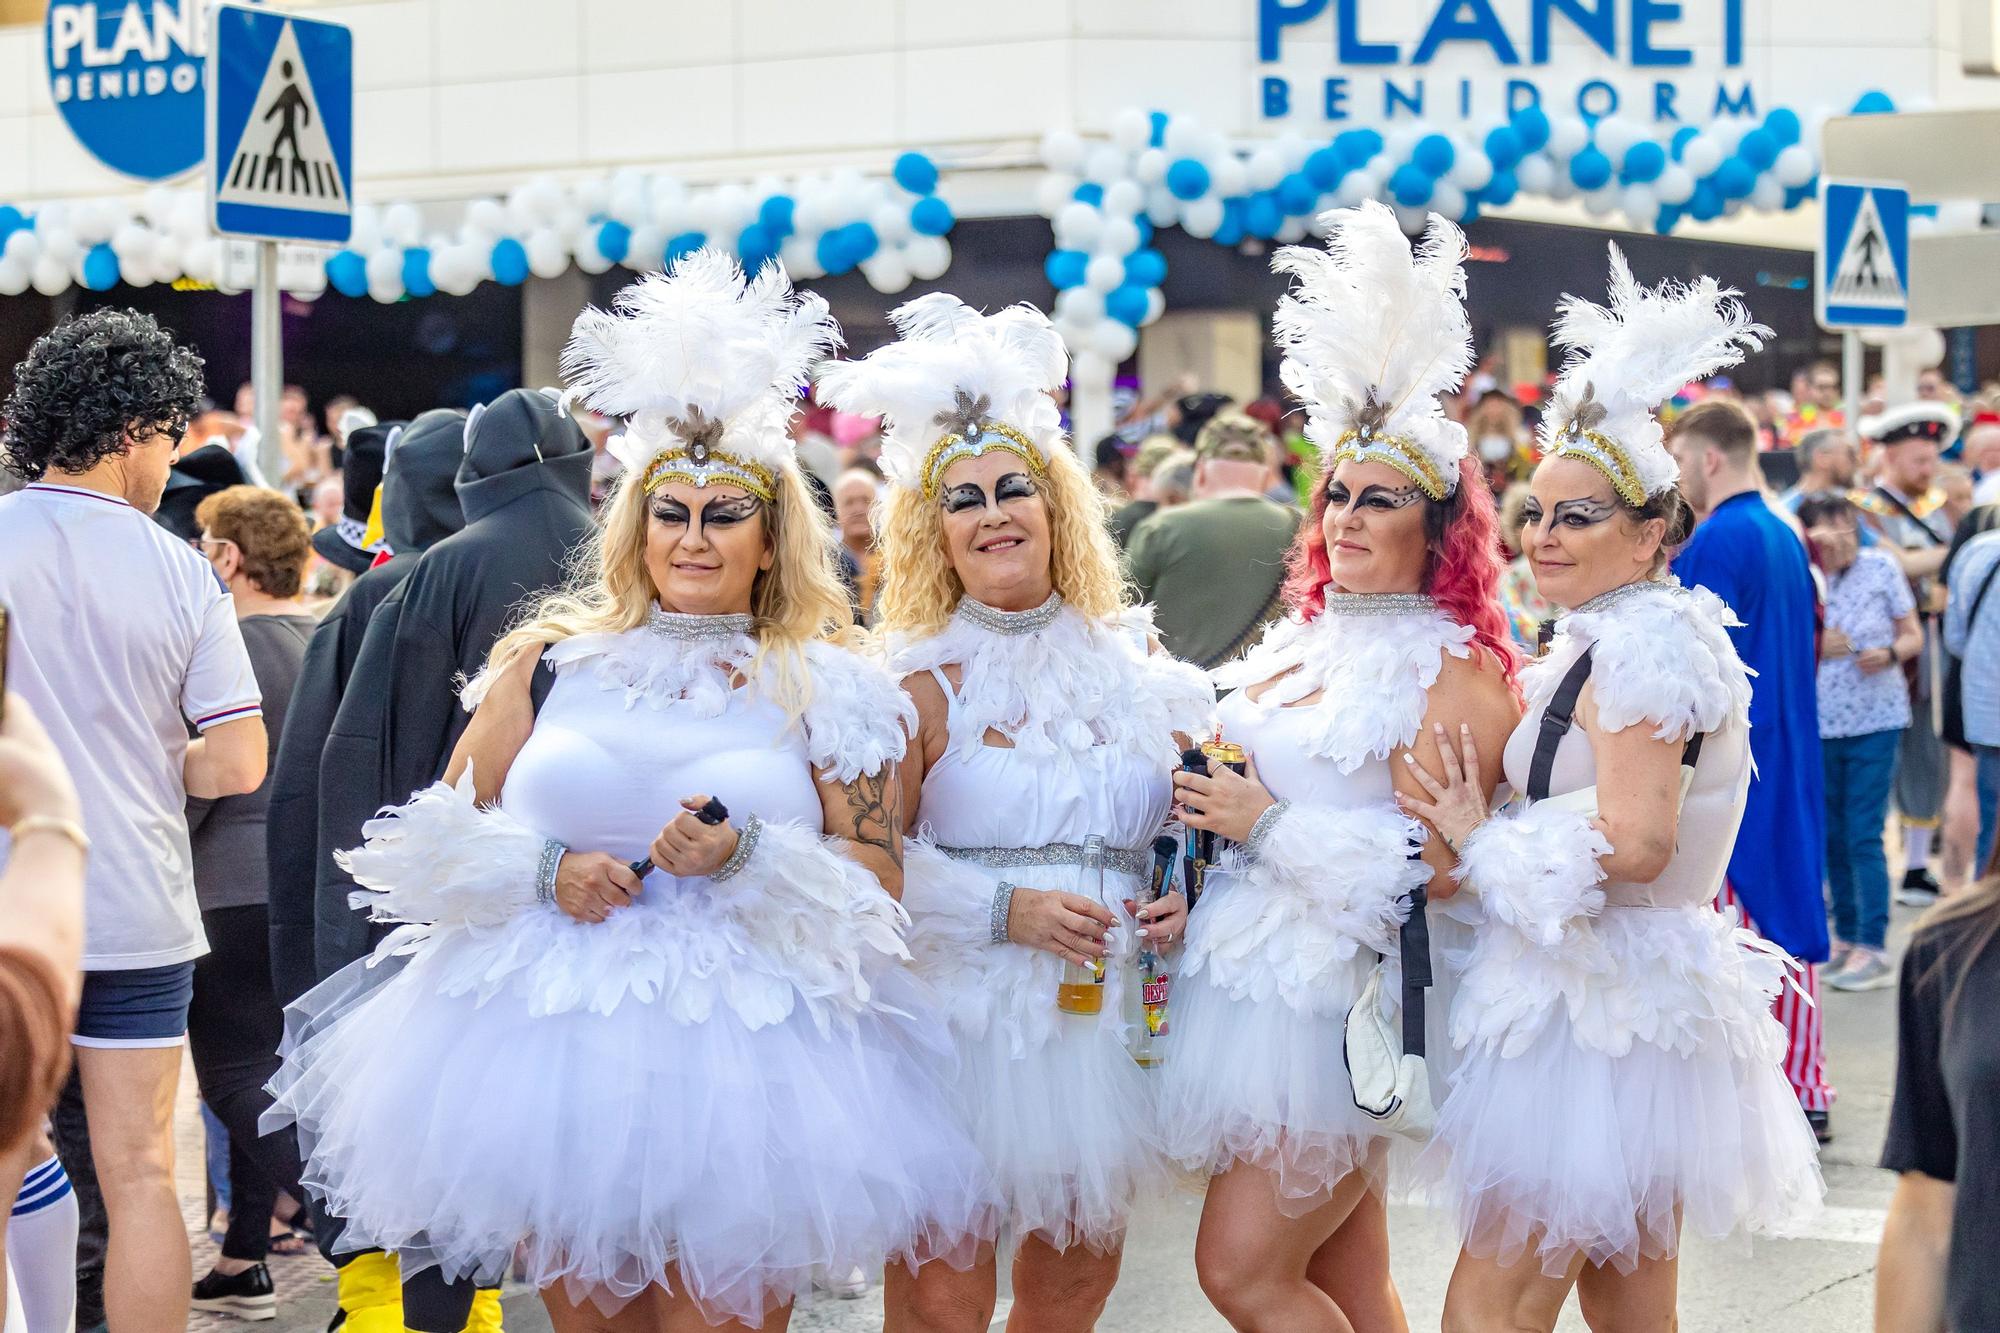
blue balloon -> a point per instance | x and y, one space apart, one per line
1531 123
831 251
1471 213
1157 134
1187 179
510 265
1090 192
100 268
1706 205
929 216
1357 146
1644 161
347 272
1435 154
1263 215
1683 136
1735 178
1145 226
1802 194
614 240
1500 191
1297 195
756 246
1127 304
1875 103
916 173
11 220
1760 149
1065 268
1145 268
417 272
1783 124
774 215
1668 219
1412 185
1590 169
1232 230
685 243
1324 167
1503 147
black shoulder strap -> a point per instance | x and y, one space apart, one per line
1979 598
1910 514
1414 942
1557 719
540 683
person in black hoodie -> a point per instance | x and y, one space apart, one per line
419 509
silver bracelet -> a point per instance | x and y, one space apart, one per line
1260 831
545 871
746 843
1003 903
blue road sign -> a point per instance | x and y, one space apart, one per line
280 126
1862 279
127 80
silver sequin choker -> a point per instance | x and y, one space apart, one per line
691 629
1625 592
1011 622
1379 603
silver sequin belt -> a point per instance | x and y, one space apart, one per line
1124 860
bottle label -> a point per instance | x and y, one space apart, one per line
1154 992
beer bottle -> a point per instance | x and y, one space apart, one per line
1082 988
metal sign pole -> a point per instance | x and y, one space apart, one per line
1850 378
267 362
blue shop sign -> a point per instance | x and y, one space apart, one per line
126 77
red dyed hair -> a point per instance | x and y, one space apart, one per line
1462 574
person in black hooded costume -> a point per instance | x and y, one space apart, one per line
419 509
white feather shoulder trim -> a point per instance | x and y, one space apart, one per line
1662 656
442 858
858 719
1387 661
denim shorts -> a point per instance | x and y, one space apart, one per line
135 1007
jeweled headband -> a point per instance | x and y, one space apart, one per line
1370 442
1579 438
968 434
696 459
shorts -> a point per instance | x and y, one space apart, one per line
135 1008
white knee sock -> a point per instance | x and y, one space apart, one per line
1917 847
41 1249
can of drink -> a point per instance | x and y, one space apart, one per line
1227 753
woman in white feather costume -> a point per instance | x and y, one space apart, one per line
1393 625
1619 1065
703 1087
1045 720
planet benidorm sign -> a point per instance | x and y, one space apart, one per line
126 76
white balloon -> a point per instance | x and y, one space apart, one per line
23 248
647 250
735 209
1081 305
1150 168
1294 148
1399 139
1131 128
1103 273
801 257
1602 202
630 201
1701 156
1104 163
1567 136
486 218
1183 136
1355 187
1118 236
202 262
1087 367
1063 150
1114 341
1162 209
1228 177
1562 187
1267 167
1412 220
1211 146
1640 204
364 233
1447 201
1054 192
1292 231
453 273
387 293
1535 173
1124 198
59 244
13 277
1728 133
165 256
887 271
157 205
1795 166
131 243
1471 169
94 221
1201 217
1156 305
1078 225
1614 135
191 218
1767 196
589 258
1960 215
403 224
50 276
1675 185
384 266
928 257
547 256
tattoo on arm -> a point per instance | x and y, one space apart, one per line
876 802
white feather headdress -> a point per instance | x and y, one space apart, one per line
706 366
955 384
1372 334
1628 357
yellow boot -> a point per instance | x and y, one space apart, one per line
371 1294
485 1316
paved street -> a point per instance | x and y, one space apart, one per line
1821 1282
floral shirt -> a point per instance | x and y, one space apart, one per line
1864 601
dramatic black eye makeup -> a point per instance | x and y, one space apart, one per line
717 513
1379 499
1013 486
1585 512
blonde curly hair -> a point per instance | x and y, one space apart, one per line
920 588
798 600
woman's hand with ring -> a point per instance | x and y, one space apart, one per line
1456 805
1161 921
1222 801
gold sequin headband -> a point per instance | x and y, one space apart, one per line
698 461
1580 439
969 434
1364 445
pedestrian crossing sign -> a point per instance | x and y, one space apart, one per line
280 126
1863 276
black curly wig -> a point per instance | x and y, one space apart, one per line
88 382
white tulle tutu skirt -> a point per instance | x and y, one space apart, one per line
1597 1139
613 1143
1255 1081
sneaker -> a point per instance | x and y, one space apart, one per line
1822 1125
1842 954
247 1295
1920 889
1868 970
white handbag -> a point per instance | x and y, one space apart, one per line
1391 1084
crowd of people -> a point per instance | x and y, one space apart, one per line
760 821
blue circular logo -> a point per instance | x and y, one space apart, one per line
127 78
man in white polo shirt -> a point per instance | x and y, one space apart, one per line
121 638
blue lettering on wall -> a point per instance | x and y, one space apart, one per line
1645 13
1599 24
1480 25
1663 102
1274 16
1393 98
1521 94
1732 33
1743 104
1336 99
1355 51
1277 98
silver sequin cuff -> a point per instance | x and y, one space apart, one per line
1260 831
1003 903
746 843
545 871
